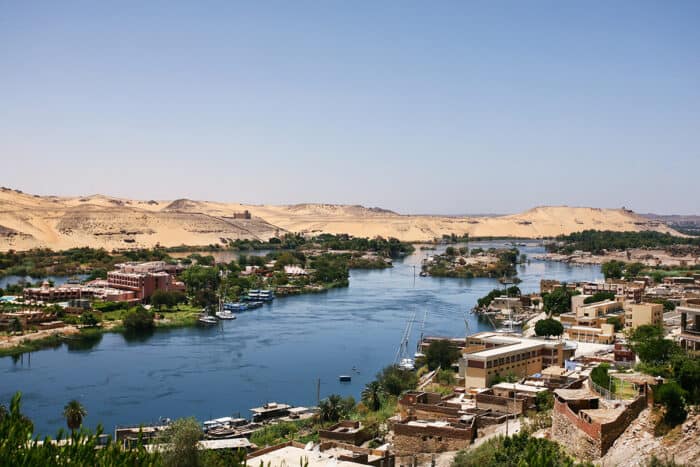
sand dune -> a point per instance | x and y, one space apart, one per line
29 221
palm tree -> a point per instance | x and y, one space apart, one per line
330 408
372 395
74 413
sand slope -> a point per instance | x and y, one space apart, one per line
29 221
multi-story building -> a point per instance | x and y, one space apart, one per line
690 324
640 314
489 355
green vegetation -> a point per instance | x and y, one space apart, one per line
485 301
518 450
445 265
373 395
558 301
74 413
616 322
138 319
596 241
335 407
441 354
599 297
389 248
663 357
17 447
396 380
600 376
549 327
42 262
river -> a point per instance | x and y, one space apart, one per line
275 353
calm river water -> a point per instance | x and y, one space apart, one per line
275 353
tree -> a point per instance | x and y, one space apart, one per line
441 354
333 408
138 319
672 396
616 322
600 376
558 301
89 319
648 343
549 327
181 439
372 395
633 269
599 297
396 380
74 413
202 283
686 371
161 298
15 325
612 269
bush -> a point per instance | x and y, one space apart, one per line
445 377
672 396
89 319
138 319
396 380
441 354
549 327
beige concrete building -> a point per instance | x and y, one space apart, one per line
603 334
640 314
489 355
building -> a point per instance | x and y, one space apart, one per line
640 314
348 431
245 215
413 436
690 324
510 398
603 334
489 355
628 290
143 284
329 453
587 426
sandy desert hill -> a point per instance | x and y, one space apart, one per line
30 221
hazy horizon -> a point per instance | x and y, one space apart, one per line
442 108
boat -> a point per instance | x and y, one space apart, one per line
344 378
225 315
207 320
255 304
259 295
235 306
407 364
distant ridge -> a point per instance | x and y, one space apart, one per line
31 221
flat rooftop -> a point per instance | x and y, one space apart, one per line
290 455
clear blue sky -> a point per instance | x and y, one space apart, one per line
440 107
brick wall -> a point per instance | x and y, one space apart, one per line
504 404
410 439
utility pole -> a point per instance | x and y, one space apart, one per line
318 392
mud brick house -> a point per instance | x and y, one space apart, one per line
413 436
586 426
348 431
511 398
328 453
428 405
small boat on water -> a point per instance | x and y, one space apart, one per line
225 315
235 306
344 378
207 320
254 304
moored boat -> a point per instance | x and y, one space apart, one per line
225 315
207 320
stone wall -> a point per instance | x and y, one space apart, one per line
354 434
410 439
504 404
591 440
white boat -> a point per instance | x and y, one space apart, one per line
225 315
407 364
207 320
